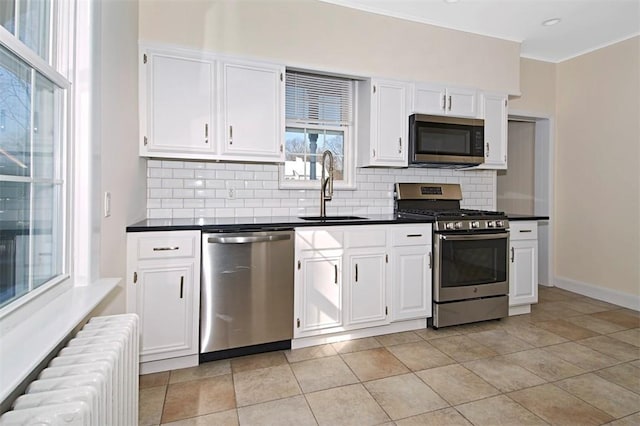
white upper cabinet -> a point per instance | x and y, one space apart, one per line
495 131
383 122
252 110
177 104
441 100
196 105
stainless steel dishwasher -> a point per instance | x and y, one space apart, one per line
246 299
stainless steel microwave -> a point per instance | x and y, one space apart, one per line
436 141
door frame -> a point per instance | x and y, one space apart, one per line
544 174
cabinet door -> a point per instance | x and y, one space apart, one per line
429 99
523 275
495 132
411 282
320 292
164 302
390 121
461 102
253 112
179 107
366 298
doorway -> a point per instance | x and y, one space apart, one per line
526 187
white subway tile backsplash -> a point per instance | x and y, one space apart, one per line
201 189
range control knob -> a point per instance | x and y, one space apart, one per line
458 225
448 225
491 224
499 223
475 224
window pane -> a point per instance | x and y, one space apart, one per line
8 14
44 128
15 111
303 153
46 228
14 240
34 25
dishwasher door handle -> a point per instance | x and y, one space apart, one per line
248 239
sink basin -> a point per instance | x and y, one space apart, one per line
326 218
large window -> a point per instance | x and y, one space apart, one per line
319 117
32 152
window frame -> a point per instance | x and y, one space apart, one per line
31 59
350 133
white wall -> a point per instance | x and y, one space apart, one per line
317 35
122 171
597 175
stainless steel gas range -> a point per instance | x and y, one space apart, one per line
470 253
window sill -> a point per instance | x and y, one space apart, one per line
26 344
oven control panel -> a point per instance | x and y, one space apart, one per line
472 225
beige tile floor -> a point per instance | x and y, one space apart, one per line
572 361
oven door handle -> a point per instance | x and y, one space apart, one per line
494 236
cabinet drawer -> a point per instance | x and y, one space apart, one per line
165 245
411 235
366 238
318 239
523 230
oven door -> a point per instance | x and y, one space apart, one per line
470 266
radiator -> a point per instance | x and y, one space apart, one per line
92 381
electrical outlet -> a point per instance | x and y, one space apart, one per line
107 204
232 194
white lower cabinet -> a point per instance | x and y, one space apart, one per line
319 291
523 266
386 277
366 253
411 274
163 288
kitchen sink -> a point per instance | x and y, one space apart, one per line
327 218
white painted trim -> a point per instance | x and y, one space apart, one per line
396 327
169 364
27 343
545 122
631 301
519 310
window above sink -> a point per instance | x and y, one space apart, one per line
319 117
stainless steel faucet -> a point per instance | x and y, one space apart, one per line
326 183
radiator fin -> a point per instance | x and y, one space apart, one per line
92 381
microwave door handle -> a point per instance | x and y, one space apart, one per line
494 236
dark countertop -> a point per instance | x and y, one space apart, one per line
268 223
234 224
516 217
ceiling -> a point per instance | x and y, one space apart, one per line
585 25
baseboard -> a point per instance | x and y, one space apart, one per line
394 327
631 301
168 364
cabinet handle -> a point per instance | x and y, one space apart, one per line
450 103
166 248
181 287
525 230
414 235
430 261
356 272
230 135
374 153
486 154
135 277
335 272
374 88
512 254
444 101
400 145
206 132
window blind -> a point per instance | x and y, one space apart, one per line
319 99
